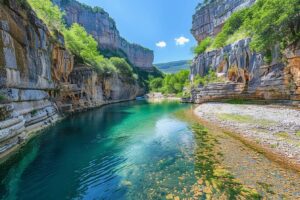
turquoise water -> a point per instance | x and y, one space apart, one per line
122 151
139 150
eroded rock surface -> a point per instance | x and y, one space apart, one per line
98 23
39 81
209 18
245 72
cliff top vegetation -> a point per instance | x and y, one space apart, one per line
79 42
267 22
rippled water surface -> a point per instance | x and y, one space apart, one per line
137 150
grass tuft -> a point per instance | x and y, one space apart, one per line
245 119
283 135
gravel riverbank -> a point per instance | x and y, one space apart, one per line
272 126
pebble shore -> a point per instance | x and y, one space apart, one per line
273 126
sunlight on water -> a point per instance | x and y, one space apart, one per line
132 150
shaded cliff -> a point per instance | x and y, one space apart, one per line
98 23
246 72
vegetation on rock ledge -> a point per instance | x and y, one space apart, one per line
79 42
180 83
267 22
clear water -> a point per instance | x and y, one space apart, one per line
107 153
139 150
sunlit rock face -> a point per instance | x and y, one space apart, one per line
209 18
28 60
103 28
245 72
39 80
86 89
247 75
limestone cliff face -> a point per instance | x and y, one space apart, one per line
209 18
103 28
86 89
26 74
38 79
247 75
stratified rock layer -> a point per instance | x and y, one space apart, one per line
38 78
246 73
209 18
98 23
26 64
86 89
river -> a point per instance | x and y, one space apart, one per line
141 150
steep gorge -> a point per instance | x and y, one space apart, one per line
247 74
40 82
105 32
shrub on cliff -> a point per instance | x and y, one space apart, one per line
267 22
274 21
232 25
203 45
123 67
83 45
49 13
211 77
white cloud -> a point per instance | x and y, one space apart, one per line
161 44
181 41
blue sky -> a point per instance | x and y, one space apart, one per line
154 24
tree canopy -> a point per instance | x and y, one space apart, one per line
267 22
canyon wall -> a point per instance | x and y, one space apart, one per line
246 75
39 81
86 89
210 17
26 74
98 23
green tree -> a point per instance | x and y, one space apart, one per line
83 45
203 45
156 84
49 13
267 22
171 83
274 21
122 66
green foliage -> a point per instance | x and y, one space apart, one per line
2 98
204 44
211 77
171 83
49 13
146 76
274 21
123 67
230 27
267 22
156 84
83 45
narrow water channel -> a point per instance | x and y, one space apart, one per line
141 150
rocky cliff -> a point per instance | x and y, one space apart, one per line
210 17
246 73
39 80
86 89
26 74
98 23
